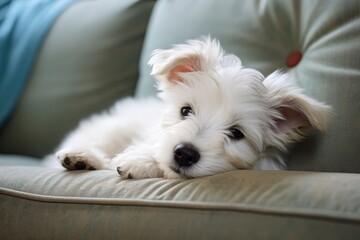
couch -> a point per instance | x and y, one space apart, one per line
96 52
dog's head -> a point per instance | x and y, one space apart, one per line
221 116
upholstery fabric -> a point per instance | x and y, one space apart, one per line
264 34
293 203
85 64
23 26
18 160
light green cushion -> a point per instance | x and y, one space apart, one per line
59 204
16 160
263 34
88 61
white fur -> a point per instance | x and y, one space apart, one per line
138 137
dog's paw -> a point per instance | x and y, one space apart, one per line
125 173
137 168
78 160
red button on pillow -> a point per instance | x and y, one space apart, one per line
293 58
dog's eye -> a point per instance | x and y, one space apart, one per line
185 111
235 134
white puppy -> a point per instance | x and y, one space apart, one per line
214 115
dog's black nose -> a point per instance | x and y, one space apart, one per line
185 155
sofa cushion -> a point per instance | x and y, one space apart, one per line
18 160
232 205
268 35
89 60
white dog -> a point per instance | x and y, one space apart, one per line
214 115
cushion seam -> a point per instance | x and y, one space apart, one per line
196 205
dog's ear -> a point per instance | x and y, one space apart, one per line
196 55
173 68
295 113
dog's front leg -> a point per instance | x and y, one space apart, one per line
136 163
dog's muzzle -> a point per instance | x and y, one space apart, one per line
186 155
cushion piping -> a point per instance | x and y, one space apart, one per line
267 210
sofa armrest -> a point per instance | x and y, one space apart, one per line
97 204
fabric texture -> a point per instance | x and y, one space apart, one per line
264 34
18 160
293 203
23 27
85 64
